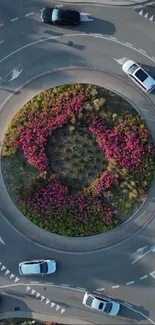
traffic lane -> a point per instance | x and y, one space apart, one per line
10 10
76 270
70 301
72 50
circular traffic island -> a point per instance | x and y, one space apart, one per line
78 160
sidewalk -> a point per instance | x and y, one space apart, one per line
110 2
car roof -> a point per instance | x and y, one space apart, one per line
65 14
30 268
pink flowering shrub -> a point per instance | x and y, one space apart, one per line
127 142
54 201
29 130
105 183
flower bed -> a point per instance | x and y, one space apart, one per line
91 158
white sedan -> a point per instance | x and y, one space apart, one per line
37 267
139 75
104 305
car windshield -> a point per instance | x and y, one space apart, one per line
89 301
108 307
141 75
43 267
55 15
133 68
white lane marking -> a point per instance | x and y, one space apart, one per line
119 42
57 6
129 283
146 15
0 237
122 60
7 272
52 304
62 310
3 267
33 291
151 18
1 25
144 277
64 285
15 74
50 283
12 276
28 288
57 307
34 282
72 35
47 301
141 12
85 13
14 19
113 38
149 319
126 303
153 274
129 44
115 287
38 295
81 288
1 240
142 50
42 298
29 14
16 279
100 289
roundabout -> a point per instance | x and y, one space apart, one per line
102 264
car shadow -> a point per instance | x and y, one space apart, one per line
97 25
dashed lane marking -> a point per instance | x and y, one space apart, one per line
142 50
115 287
29 14
1 43
64 285
1 25
144 277
100 289
81 288
129 283
114 38
128 44
14 19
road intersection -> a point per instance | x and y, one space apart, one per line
121 263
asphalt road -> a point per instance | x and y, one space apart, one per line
30 48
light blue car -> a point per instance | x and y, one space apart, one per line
37 267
